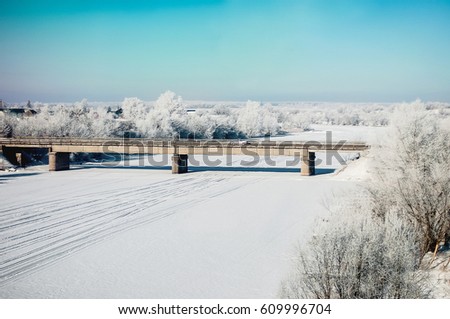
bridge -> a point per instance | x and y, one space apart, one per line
59 149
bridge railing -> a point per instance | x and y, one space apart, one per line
313 145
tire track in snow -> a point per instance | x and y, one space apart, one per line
10 211
38 234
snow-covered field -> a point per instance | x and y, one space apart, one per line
140 232
318 133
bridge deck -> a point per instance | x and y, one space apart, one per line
165 146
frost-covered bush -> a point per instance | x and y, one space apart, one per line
413 173
352 255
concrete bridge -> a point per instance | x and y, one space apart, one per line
59 149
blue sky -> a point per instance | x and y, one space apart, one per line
267 50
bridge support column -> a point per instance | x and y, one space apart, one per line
20 158
179 163
308 163
2 158
58 161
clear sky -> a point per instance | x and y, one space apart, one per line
267 50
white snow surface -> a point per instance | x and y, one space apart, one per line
338 132
140 232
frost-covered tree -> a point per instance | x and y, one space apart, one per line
412 165
269 121
352 255
82 106
5 127
173 113
249 121
49 121
200 125
256 120
167 117
103 123
133 108
77 120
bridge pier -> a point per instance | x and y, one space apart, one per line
179 163
58 161
2 158
20 158
308 166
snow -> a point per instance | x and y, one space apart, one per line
318 133
438 270
97 232
138 231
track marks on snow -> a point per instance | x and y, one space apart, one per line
37 233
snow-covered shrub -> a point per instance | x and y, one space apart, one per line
352 255
413 176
